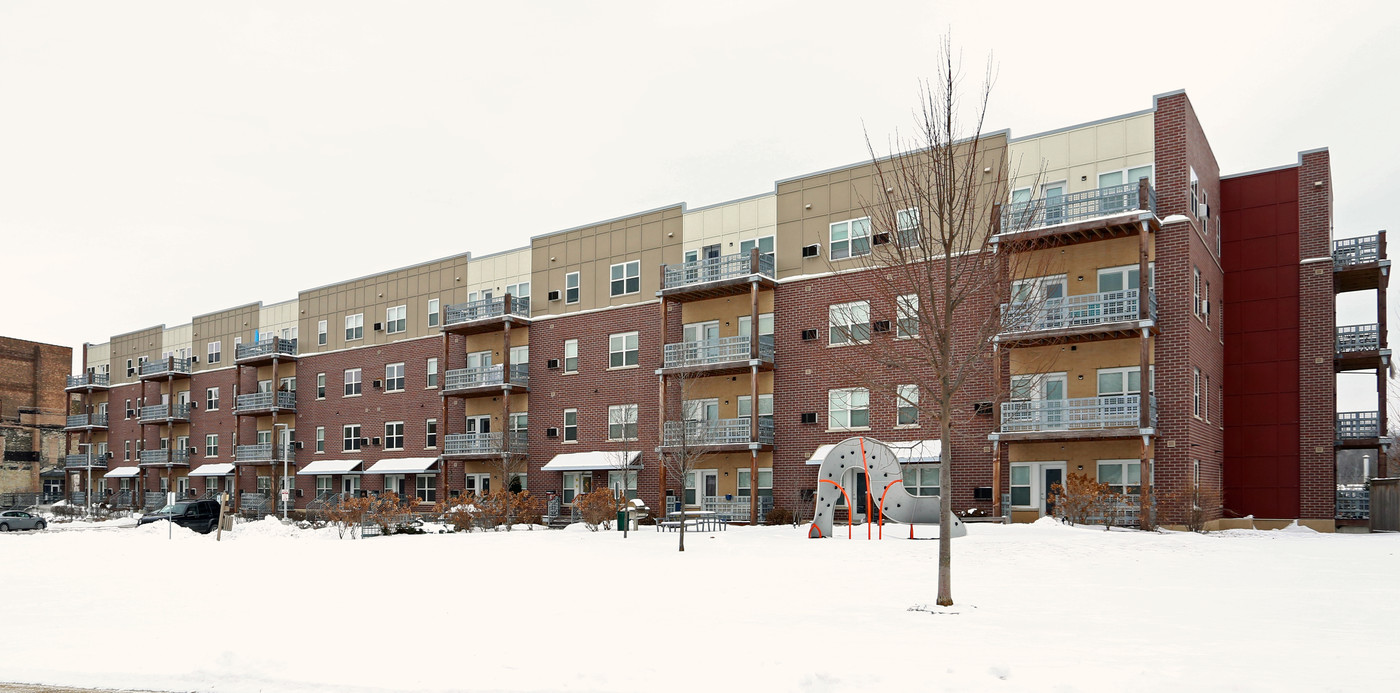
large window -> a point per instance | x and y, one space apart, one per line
215 353
211 445
1122 476
765 483
354 326
849 323
1114 382
848 408
426 488
393 377
352 382
521 290
570 425
350 438
571 356
907 227
211 399
765 407
393 435
907 402
1020 485
434 313
321 332
622 482
922 479
432 370
571 284
850 238
622 422
765 246
626 278
622 349
396 319
765 325
907 310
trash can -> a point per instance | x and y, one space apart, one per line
621 519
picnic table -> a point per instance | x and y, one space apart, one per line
703 520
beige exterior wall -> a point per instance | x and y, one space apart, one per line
99 355
132 346
224 326
372 296
1081 362
654 238
173 339
497 271
729 223
1078 155
727 465
726 311
278 318
1081 263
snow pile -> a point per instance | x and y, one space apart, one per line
1295 528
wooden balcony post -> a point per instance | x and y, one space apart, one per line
1144 286
996 219
1144 195
443 427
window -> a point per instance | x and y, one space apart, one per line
1122 476
350 438
393 377
396 320
521 290
352 382
1195 192
850 238
848 408
622 350
1020 485
288 384
907 309
320 386
576 484
1205 303
320 439
1196 392
211 399
765 406
571 356
215 353
354 326
764 245
1205 396
1116 382
765 325
321 332
211 445
432 372
907 227
922 479
434 316
126 455
765 483
626 278
571 287
622 482
1196 291
426 488
570 425
393 435
908 405
430 433
324 485
622 422
849 323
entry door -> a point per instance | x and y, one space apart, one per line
1051 473
477 484
478 424
855 484
1054 194
706 334
710 254
394 482
350 485
706 485
479 359
701 409
1052 393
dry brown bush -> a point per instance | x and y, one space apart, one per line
598 508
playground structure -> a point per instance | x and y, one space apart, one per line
880 465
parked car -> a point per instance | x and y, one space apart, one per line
200 515
18 519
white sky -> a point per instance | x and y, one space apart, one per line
151 154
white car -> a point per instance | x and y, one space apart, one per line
18 519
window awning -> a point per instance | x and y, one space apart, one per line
907 452
403 465
218 469
122 473
332 467
592 461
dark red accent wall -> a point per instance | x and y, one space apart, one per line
1260 256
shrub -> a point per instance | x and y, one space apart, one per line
347 515
529 509
1081 498
598 508
458 512
779 515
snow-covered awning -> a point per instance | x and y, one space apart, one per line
907 452
592 461
403 465
122 473
216 469
320 467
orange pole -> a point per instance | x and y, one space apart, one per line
842 489
868 495
882 506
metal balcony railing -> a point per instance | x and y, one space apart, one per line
164 456
267 347
482 376
458 313
716 432
1078 414
735 509
1353 502
266 400
1356 251
97 379
1053 211
85 461
1351 338
483 443
257 452
1086 310
715 269
80 420
161 411
1358 424
715 351
167 365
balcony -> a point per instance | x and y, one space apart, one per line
265 351
258 453
1359 347
1359 263
88 461
486 315
258 403
1106 315
86 422
723 356
1081 417
483 381
168 367
88 381
726 275
1108 212
718 434
163 413
1360 429
165 458
482 445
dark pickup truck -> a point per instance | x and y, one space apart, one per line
200 515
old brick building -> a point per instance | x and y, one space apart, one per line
580 360
32 406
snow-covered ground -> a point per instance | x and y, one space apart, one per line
1040 607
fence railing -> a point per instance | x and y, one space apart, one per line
257 452
1351 338
97 379
716 432
713 351
169 364
161 456
267 347
78 420
735 509
266 400
164 411
1075 311
458 313
715 269
1080 413
1358 424
85 461
482 443
1062 209
1355 251
483 376
1353 502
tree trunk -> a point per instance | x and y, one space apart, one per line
682 527
945 512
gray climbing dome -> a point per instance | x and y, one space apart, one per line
883 468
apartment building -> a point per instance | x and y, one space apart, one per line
31 419
741 334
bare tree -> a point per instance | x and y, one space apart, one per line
507 464
622 421
686 443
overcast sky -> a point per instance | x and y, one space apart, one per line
161 160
